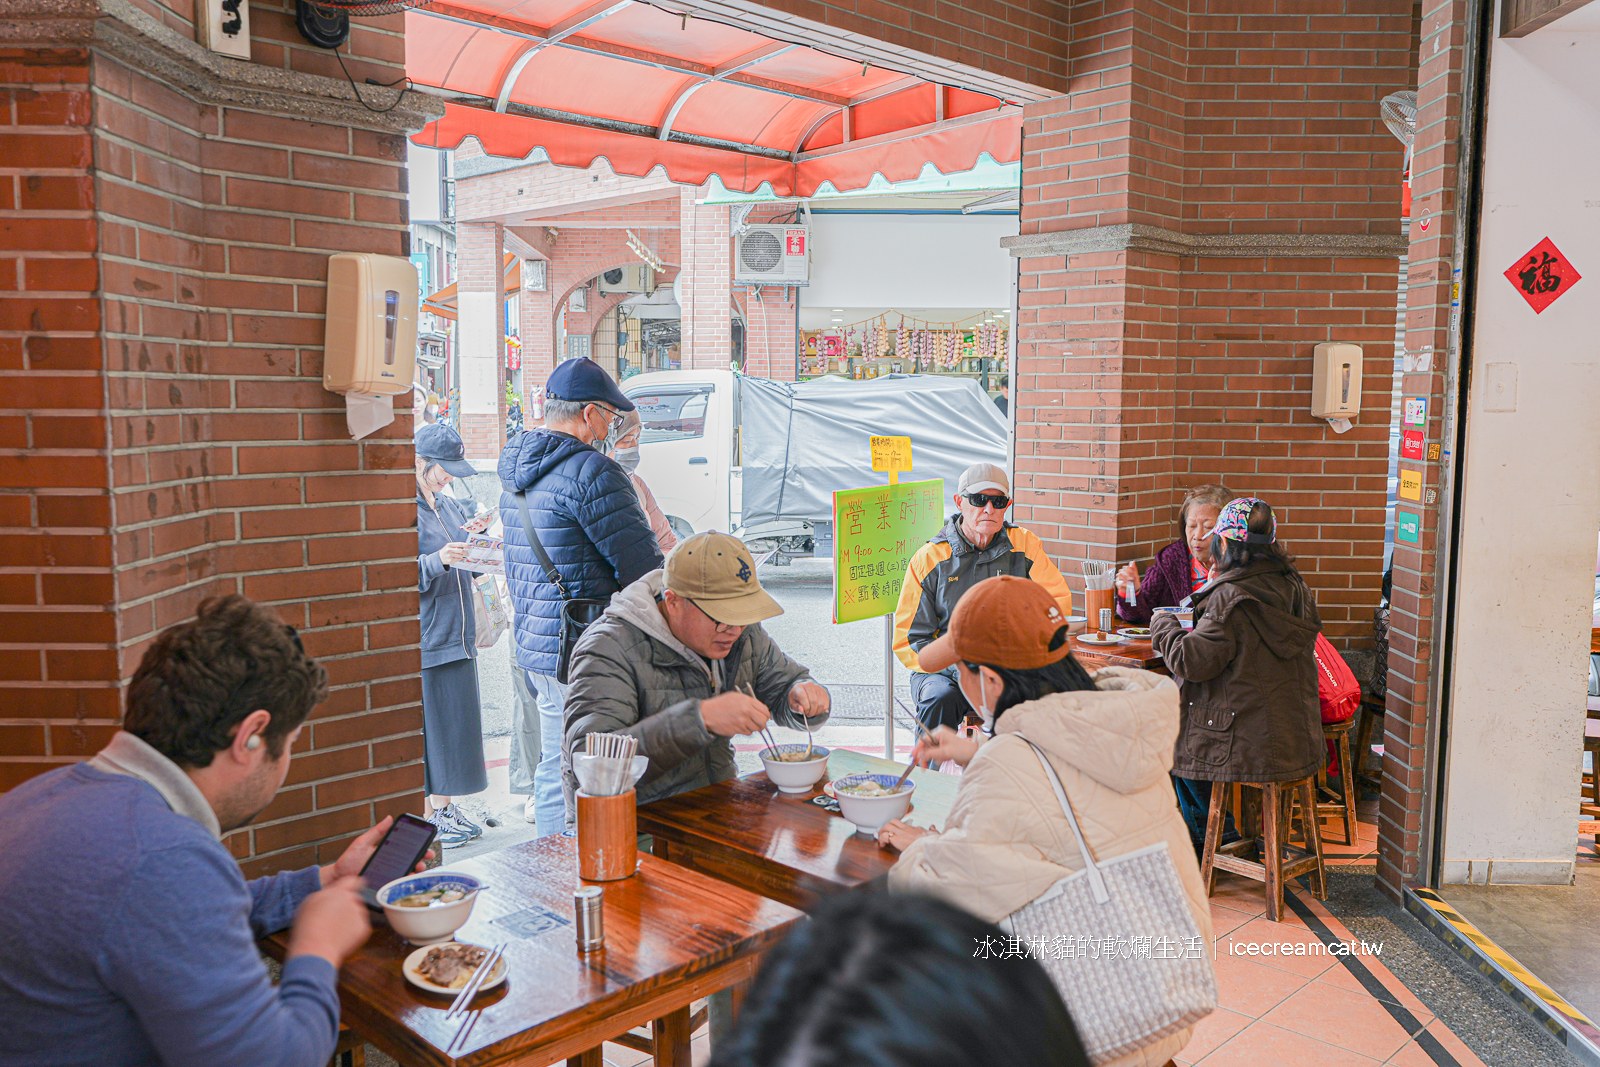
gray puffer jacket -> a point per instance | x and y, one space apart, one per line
631 676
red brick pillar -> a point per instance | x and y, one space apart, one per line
537 314
480 250
770 339
1432 341
164 432
1174 283
707 281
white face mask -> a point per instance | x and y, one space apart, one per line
627 458
981 708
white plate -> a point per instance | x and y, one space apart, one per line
1135 632
1089 638
409 969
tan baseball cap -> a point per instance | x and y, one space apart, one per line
717 572
982 476
1006 622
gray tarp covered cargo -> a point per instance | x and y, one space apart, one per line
805 440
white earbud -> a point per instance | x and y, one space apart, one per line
253 741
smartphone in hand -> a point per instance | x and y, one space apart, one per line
397 855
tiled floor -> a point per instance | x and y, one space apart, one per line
1312 1009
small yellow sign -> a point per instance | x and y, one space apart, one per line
1411 484
891 454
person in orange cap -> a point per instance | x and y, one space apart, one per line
1108 737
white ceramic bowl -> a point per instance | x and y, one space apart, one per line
798 776
436 922
1076 624
871 814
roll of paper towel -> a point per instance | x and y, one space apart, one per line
367 413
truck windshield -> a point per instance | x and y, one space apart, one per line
672 416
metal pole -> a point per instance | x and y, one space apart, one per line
888 687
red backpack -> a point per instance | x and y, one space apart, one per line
1337 687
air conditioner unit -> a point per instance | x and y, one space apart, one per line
773 255
634 278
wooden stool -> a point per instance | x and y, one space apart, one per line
1278 859
1345 806
1371 716
351 1051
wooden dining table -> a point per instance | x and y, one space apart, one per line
781 845
672 936
1133 652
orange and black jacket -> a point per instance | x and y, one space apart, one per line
948 565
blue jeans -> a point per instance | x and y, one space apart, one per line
1194 801
549 806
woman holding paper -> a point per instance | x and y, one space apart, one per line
452 728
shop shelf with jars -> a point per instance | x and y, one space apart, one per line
870 349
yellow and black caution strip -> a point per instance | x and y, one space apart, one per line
1569 1025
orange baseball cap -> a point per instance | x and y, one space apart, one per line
1003 622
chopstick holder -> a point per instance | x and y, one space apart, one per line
608 836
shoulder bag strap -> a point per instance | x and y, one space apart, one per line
1096 883
538 549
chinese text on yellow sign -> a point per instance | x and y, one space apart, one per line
891 454
877 531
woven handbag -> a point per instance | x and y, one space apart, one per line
1120 941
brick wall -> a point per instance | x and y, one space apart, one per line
770 340
1153 360
708 274
1020 40
1435 225
168 437
59 668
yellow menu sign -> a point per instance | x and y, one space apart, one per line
876 532
1410 484
891 454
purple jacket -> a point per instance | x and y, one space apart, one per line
1167 581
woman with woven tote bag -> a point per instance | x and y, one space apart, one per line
1074 765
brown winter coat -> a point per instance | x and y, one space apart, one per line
1249 670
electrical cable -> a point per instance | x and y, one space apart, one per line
385 85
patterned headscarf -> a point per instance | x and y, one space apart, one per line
1233 524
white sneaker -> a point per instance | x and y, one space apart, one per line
527 809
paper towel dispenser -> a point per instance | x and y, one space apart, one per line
370 340
1336 381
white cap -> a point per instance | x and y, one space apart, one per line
981 476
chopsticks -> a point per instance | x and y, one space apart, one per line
468 991
618 750
766 735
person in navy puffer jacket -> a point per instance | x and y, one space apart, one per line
587 517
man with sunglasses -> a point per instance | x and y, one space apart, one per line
975 544
680 660
587 517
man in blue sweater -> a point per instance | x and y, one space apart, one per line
128 932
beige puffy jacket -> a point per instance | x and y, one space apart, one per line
1007 840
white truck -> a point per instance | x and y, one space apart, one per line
762 459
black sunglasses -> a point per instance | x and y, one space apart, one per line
999 501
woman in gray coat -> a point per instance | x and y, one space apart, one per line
452 728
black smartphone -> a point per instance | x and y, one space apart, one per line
397 855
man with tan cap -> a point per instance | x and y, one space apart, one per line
976 543
669 662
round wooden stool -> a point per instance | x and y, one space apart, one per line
1270 858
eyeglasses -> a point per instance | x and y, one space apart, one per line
722 627
616 418
978 500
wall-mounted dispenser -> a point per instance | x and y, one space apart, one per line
370 338
1336 384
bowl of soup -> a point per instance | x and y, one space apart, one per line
791 770
430 907
871 800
